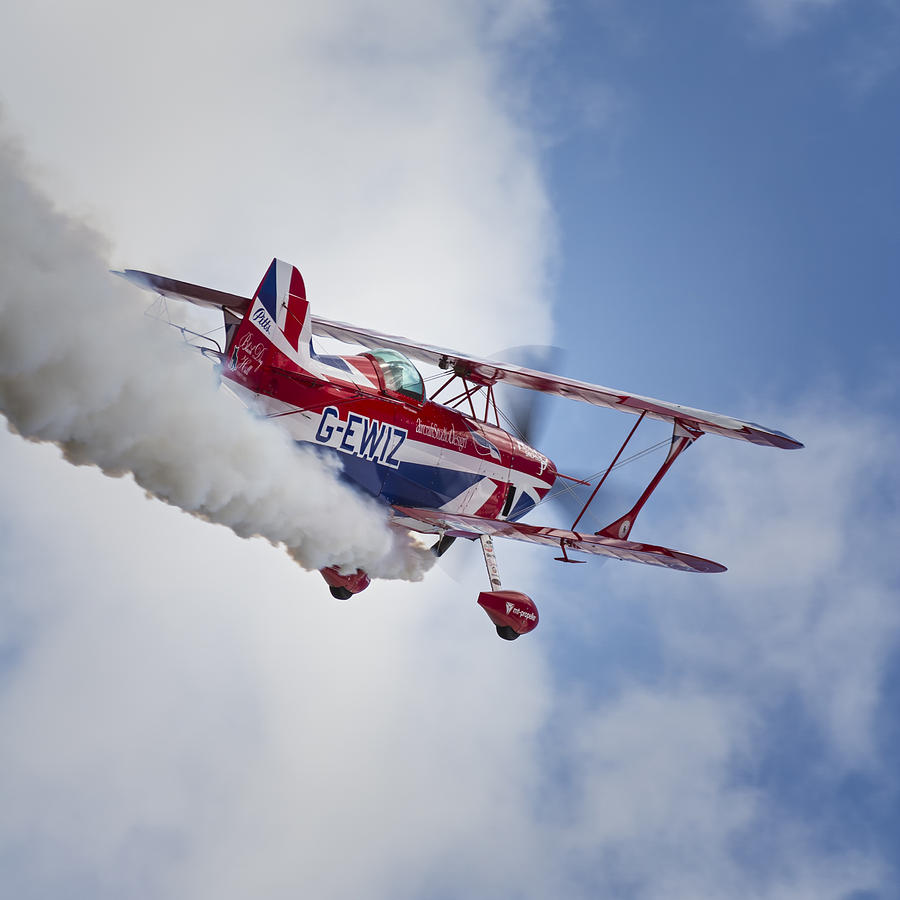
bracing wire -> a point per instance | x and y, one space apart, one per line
159 310
570 488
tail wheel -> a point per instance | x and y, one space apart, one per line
340 593
443 545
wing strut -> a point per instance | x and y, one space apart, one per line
682 437
600 482
469 392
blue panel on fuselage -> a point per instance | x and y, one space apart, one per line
429 487
426 486
361 472
334 361
524 504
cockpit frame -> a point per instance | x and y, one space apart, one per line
397 375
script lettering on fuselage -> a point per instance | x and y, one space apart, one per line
531 453
247 355
361 436
447 435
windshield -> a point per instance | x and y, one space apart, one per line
399 374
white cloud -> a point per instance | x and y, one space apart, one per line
808 603
367 145
187 714
786 17
873 58
192 707
174 699
79 367
869 46
659 810
194 704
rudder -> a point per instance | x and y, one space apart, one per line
276 330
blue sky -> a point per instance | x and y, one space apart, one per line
698 202
740 185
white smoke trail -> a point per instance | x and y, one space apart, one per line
80 367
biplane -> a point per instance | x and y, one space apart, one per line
444 468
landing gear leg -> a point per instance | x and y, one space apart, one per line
512 613
490 560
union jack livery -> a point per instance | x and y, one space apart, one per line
448 468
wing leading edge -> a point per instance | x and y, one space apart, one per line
473 526
184 290
485 372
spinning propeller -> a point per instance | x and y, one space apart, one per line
525 412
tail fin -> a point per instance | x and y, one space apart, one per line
276 330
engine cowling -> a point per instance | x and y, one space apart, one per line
512 612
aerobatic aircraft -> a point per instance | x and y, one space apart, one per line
447 468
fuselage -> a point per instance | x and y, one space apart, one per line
392 442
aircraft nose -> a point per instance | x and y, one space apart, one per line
550 472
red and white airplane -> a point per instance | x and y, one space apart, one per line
444 468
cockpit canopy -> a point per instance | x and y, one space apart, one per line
399 374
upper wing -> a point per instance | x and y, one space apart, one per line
183 290
482 371
472 526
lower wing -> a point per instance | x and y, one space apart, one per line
474 526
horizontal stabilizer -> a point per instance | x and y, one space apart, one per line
474 526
